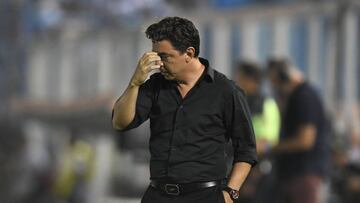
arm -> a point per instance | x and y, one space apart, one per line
125 106
307 110
238 175
304 140
240 130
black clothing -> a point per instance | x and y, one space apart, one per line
256 103
207 195
304 107
181 189
189 135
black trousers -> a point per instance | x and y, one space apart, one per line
207 195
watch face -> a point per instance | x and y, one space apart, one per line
234 194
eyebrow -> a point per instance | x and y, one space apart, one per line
162 54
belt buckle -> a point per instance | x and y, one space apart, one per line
172 189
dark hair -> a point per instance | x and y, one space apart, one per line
281 68
179 31
251 70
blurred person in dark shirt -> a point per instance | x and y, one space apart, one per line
194 111
302 153
265 117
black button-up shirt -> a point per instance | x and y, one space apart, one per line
189 135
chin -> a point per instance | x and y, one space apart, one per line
168 76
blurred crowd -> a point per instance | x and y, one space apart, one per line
299 156
64 62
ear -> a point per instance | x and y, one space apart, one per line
190 53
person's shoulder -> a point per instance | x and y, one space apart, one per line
227 85
308 94
223 81
307 90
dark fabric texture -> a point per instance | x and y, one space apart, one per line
305 107
208 195
189 135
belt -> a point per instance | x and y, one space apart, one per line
177 189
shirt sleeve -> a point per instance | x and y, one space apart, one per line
143 104
239 128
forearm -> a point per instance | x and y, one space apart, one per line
304 140
125 107
238 175
288 145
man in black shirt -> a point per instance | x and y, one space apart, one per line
194 110
303 150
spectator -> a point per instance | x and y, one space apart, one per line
302 152
266 122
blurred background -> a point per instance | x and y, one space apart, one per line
63 63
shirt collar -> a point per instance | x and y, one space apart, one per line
209 72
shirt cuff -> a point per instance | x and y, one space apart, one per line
249 157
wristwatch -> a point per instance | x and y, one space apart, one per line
234 194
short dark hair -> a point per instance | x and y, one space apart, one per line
251 70
179 31
280 66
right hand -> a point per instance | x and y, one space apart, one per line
227 197
147 63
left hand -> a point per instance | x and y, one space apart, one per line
227 197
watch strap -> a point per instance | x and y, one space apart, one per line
234 194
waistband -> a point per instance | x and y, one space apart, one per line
181 188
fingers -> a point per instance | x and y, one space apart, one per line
149 53
154 67
150 61
150 56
